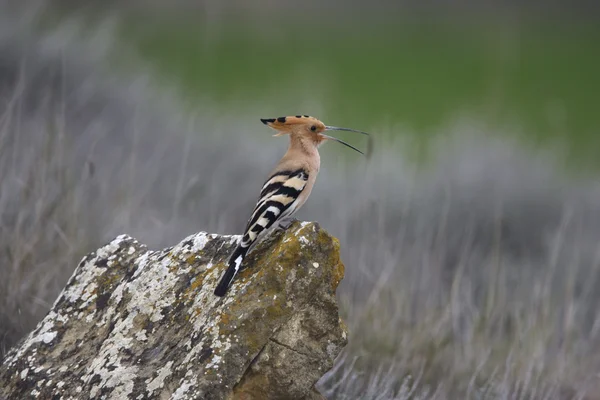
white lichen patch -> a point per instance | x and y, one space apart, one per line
332 350
157 287
109 366
207 321
87 295
301 233
61 318
293 333
153 287
141 263
214 362
48 337
83 290
43 333
291 278
116 296
200 241
182 391
141 336
159 381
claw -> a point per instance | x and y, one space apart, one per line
284 224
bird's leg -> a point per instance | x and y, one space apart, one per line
285 223
281 225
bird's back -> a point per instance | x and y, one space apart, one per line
283 193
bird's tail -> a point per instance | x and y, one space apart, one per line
235 261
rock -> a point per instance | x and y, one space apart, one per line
138 324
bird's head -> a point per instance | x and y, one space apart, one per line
310 128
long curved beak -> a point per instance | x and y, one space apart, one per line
342 142
337 128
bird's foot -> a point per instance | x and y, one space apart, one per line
284 224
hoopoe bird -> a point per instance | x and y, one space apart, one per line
288 186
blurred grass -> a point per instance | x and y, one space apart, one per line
541 76
477 277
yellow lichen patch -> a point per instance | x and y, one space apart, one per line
193 288
189 293
276 310
196 312
252 387
286 252
225 319
343 327
254 340
338 270
220 266
107 281
247 273
338 275
337 266
191 259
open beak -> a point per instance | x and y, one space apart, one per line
342 142
336 128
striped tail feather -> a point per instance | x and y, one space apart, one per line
235 261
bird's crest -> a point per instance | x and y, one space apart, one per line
309 127
283 125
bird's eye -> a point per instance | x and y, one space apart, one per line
313 128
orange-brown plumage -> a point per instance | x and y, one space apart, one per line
302 151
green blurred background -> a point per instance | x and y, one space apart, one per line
533 72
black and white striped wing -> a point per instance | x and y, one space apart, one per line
278 200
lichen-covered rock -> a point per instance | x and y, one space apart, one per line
138 324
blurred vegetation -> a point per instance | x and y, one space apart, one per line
530 72
538 75
478 276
